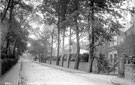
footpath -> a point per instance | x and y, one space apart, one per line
12 76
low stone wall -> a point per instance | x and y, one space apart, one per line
130 71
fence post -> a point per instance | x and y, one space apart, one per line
121 67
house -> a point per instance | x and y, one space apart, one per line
110 50
127 41
124 43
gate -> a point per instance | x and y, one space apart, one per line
115 66
107 67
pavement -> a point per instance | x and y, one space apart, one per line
27 72
12 76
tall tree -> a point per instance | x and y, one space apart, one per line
10 9
0 45
95 8
52 34
69 54
57 9
97 14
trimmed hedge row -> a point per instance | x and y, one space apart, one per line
7 63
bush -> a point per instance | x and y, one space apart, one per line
7 63
85 57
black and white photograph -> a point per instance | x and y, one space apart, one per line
67 42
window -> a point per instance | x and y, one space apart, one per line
120 39
114 41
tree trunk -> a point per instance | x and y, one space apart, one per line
69 55
39 57
78 46
10 50
0 46
63 60
91 64
63 47
92 39
51 49
5 10
57 60
42 57
14 47
7 45
58 27
10 26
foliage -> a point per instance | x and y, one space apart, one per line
41 46
36 48
14 13
94 17
85 57
98 20
7 64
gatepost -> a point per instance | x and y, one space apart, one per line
121 67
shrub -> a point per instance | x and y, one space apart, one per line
85 57
7 63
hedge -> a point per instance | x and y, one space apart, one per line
7 63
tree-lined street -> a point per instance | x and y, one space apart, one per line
43 39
